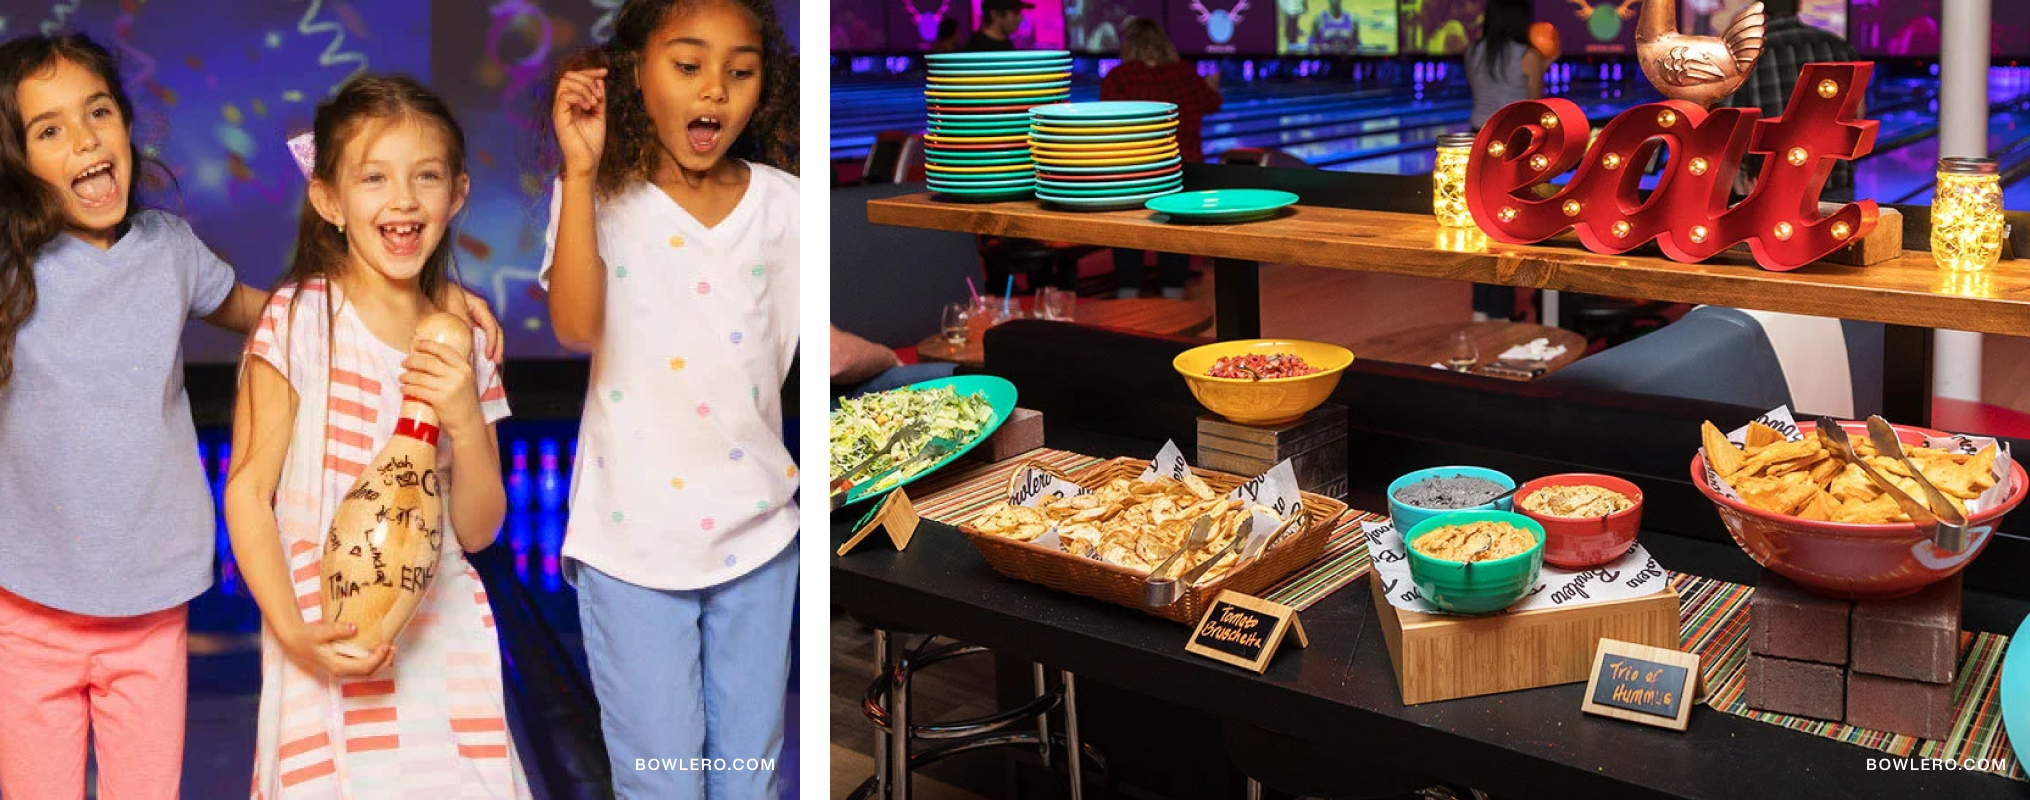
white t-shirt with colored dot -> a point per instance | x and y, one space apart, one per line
682 479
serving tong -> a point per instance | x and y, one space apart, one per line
845 483
1947 535
1951 534
1158 592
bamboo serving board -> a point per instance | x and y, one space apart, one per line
1441 657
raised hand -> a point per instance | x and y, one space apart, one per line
580 119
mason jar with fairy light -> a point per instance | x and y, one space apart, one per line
1448 180
1966 215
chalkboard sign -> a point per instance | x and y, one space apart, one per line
1244 631
1644 684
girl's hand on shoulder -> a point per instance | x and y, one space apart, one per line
580 118
435 374
311 644
474 310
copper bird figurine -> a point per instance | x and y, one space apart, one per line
1697 69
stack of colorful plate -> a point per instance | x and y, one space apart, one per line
1101 156
977 146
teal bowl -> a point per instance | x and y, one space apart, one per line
1475 587
1406 517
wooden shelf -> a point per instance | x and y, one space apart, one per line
1909 290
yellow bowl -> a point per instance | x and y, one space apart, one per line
1265 402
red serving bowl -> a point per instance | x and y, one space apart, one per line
1585 542
1844 559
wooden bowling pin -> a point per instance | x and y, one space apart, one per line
381 552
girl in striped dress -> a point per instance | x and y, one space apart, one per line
326 372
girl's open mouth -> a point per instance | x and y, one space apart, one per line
402 240
96 187
704 134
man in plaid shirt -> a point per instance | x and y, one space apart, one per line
1787 45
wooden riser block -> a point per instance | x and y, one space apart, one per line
1315 446
1439 657
1021 433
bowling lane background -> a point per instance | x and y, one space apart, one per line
219 87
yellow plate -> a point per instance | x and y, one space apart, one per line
1054 76
1082 155
1013 139
1108 162
1160 126
937 95
1023 167
1145 143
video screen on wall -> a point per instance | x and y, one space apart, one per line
1336 27
1042 26
860 25
1895 27
1095 26
1219 27
913 24
1711 17
220 86
1602 28
1439 27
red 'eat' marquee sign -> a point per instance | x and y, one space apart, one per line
1529 142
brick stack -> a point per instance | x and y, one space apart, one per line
1885 665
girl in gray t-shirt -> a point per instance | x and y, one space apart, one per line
106 521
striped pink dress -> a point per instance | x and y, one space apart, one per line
433 725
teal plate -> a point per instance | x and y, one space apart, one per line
1107 110
1135 186
1000 395
996 101
2016 689
1125 168
1102 203
998 87
1002 57
1108 125
1221 203
1037 68
1058 190
961 131
1111 138
989 160
996 118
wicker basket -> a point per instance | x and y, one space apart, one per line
1119 585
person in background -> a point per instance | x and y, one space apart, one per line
1787 45
1150 70
863 367
1502 68
999 20
1334 31
947 36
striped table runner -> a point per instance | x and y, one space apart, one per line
954 497
1714 623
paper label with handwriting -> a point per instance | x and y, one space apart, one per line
1635 574
1783 422
1038 487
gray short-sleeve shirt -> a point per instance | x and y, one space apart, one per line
104 508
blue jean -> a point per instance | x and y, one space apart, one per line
684 675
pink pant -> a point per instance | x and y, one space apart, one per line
124 678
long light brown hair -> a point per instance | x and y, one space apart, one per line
1143 40
31 210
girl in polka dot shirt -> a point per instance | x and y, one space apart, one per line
673 262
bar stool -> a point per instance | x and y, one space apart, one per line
886 704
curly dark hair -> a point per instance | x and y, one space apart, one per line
31 211
632 151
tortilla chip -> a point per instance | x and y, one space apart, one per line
1823 471
1852 486
1721 455
1760 435
1803 448
1774 494
1816 508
